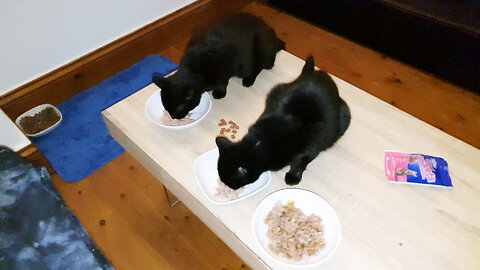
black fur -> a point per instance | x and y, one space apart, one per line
241 45
300 120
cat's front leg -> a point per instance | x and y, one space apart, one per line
297 167
219 91
250 80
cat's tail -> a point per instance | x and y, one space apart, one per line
345 118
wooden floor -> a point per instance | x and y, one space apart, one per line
141 231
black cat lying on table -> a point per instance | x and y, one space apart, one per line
241 46
301 119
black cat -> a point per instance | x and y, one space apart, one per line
241 45
301 119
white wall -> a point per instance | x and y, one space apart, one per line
10 135
38 36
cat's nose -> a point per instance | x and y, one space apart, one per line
233 184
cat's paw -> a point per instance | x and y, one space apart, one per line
292 179
218 94
248 81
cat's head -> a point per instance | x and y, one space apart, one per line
179 95
237 164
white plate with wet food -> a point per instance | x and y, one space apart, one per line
206 174
296 227
157 114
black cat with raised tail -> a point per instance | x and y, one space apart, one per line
241 45
301 119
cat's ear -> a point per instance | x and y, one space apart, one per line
309 66
281 44
160 81
223 143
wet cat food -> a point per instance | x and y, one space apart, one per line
294 235
224 193
167 120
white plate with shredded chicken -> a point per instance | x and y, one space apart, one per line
158 115
296 227
206 174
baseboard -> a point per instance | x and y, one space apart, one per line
89 70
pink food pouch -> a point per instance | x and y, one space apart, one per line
416 168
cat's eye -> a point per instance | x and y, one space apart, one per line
189 95
180 108
242 170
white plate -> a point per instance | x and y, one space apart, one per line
309 203
35 110
206 174
154 110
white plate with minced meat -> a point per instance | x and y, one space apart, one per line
296 227
206 174
158 115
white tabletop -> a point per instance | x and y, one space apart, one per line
384 225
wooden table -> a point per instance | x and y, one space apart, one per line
385 225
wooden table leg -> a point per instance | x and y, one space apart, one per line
171 197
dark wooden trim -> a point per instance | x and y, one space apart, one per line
27 150
455 8
89 70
